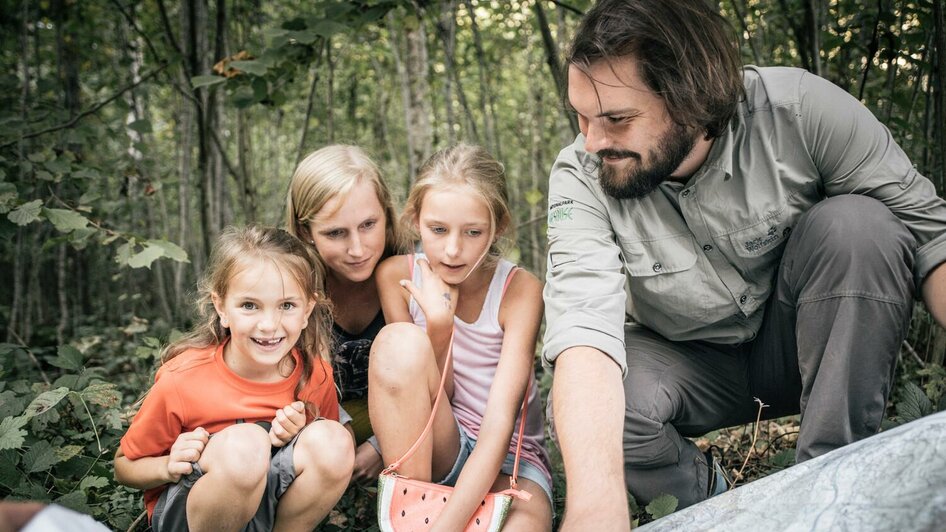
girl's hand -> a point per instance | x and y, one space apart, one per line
288 422
367 463
436 298
186 450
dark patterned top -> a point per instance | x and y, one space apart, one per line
350 358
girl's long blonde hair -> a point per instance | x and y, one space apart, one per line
234 250
472 166
332 172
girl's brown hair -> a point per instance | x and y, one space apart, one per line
235 249
469 165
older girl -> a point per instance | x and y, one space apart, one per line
459 286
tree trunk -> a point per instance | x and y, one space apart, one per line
330 92
940 90
415 90
487 101
447 28
551 58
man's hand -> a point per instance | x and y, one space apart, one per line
186 450
288 422
368 464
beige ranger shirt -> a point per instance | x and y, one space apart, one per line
697 261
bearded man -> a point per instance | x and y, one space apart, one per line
719 234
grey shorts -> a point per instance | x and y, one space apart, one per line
170 512
526 469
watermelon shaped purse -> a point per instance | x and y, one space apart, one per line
408 505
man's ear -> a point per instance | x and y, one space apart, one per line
218 307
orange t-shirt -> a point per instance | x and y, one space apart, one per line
197 389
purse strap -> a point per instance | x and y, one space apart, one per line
440 393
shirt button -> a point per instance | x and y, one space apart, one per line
686 193
787 231
707 247
658 267
742 300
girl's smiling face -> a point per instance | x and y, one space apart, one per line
266 311
455 231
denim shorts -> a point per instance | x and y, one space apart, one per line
526 469
170 511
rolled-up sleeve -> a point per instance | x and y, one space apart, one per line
856 154
584 291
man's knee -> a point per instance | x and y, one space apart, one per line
648 408
856 222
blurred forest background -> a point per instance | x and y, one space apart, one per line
132 132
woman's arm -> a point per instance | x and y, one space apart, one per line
519 315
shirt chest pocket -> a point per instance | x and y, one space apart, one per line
663 277
756 249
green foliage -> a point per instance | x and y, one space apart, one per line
662 506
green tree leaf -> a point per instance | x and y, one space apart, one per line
206 81
58 166
76 500
327 28
45 401
913 404
171 250
66 452
8 197
145 257
102 394
93 482
251 67
11 437
69 358
662 506
141 126
26 213
66 220
40 457
9 475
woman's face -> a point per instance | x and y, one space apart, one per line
349 233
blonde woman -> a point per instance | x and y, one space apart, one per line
339 205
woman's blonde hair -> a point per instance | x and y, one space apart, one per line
473 166
237 248
332 172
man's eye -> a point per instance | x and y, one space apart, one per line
617 119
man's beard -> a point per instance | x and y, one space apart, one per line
638 180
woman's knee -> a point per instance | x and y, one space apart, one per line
326 447
239 452
400 352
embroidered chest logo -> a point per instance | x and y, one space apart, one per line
763 241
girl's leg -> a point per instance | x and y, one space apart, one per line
403 380
235 463
323 457
531 515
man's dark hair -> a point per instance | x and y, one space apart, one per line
684 51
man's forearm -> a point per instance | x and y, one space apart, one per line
934 294
588 408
